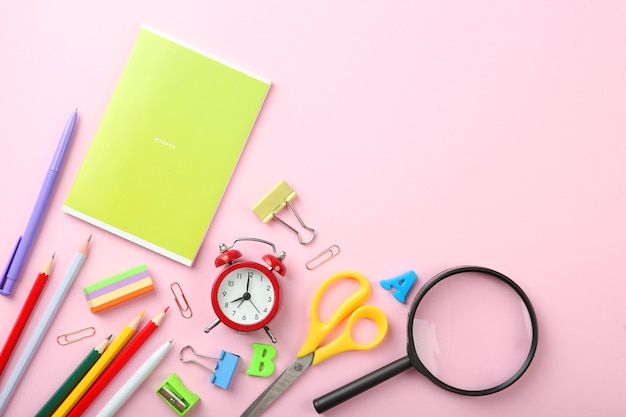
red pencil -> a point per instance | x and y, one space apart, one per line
25 313
116 366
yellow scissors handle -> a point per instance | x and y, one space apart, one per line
353 307
345 341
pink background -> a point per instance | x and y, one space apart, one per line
418 135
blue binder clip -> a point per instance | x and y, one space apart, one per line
224 369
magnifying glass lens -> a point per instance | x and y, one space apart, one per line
472 331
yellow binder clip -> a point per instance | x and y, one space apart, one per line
274 201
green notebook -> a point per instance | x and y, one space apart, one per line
166 146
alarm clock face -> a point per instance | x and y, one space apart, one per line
246 296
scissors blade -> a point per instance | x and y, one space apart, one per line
281 383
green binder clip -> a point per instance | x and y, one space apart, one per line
177 395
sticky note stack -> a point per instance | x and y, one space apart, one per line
122 287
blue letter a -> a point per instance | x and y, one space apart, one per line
402 285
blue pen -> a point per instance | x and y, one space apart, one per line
20 253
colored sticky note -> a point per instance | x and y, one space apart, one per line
122 287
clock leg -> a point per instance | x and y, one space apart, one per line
270 334
212 326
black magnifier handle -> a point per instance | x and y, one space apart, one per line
354 388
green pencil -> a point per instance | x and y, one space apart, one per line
73 380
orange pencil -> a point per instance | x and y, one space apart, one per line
25 313
116 366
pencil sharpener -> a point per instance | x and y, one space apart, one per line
176 395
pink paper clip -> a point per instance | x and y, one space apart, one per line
323 257
80 334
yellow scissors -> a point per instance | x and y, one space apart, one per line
311 352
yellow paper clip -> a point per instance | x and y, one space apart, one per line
184 308
80 334
274 201
323 257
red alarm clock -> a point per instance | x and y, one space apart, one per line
246 295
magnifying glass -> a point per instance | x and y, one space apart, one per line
471 330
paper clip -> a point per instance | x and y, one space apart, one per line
79 335
274 201
224 370
323 257
185 309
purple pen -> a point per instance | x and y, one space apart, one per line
20 253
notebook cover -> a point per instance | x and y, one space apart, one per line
166 146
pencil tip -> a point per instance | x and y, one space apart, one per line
171 340
76 109
89 238
166 308
110 336
53 255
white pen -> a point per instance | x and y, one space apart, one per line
134 381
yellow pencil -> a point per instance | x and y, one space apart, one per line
99 367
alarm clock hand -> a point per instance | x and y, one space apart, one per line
248 296
257 310
238 299
245 296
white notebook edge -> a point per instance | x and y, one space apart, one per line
205 53
128 236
